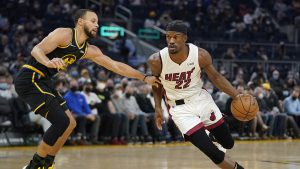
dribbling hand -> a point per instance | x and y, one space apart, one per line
152 80
159 119
55 63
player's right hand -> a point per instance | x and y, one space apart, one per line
159 119
55 63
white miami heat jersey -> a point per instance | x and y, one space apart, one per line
181 81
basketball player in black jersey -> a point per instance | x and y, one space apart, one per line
61 48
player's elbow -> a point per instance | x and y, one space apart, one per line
34 50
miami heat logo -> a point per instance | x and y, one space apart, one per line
68 59
212 116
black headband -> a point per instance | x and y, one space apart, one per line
177 26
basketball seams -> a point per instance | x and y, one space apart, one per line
238 112
242 103
249 105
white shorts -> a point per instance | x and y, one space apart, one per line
197 112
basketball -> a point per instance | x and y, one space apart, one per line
244 107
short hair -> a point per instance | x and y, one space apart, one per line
177 26
80 14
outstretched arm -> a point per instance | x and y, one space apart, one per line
155 65
218 80
98 57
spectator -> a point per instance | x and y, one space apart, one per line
151 20
93 101
276 83
144 102
291 104
136 115
77 104
112 121
120 109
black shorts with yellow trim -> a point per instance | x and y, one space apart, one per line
38 91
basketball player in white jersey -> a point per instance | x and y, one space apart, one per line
192 108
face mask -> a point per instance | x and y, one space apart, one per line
101 86
127 95
110 88
88 89
124 85
74 74
285 92
119 93
275 77
3 86
74 88
261 95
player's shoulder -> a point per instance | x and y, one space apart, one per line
204 57
63 32
155 63
203 51
61 35
93 48
154 57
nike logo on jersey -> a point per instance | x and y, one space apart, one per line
190 64
81 51
73 45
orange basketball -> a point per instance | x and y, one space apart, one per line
244 107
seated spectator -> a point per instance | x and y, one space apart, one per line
276 83
291 104
144 102
120 109
111 120
77 104
93 101
135 115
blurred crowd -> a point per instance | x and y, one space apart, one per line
111 109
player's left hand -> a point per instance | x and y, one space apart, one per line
159 119
152 80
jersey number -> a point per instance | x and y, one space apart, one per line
182 84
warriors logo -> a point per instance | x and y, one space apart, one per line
68 59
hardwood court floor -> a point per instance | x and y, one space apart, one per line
251 154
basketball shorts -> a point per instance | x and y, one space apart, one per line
38 91
197 111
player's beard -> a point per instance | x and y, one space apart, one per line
174 50
87 32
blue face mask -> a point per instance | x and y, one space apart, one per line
3 86
74 74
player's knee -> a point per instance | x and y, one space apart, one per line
228 144
63 123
